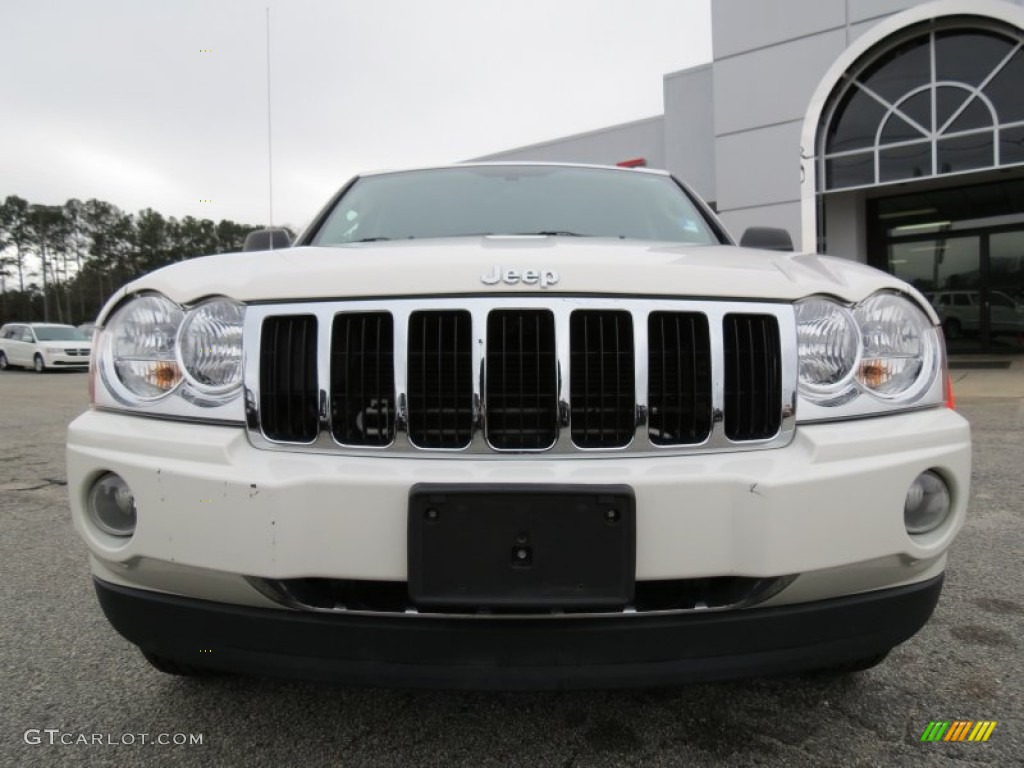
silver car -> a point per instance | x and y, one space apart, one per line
42 346
960 312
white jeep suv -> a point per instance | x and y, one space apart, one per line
518 426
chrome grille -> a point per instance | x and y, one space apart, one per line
288 378
440 363
522 380
521 375
753 379
363 378
679 361
602 389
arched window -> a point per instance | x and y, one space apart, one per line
948 100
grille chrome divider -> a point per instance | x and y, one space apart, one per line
641 379
400 332
561 307
325 438
478 443
563 369
716 334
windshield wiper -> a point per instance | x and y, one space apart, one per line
371 240
554 233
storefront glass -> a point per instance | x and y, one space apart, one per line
963 248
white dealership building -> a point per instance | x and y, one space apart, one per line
886 131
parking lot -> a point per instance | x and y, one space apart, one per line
69 673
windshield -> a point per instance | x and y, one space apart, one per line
59 333
515 200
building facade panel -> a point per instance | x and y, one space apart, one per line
758 167
608 146
858 29
688 99
844 225
859 10
772 85
739 26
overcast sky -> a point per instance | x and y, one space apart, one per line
163 103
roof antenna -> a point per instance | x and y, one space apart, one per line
270 161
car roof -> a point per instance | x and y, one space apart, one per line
36 325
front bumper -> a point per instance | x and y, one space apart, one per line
511 654
62 360
216 516
209 502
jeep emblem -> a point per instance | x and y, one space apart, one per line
541 277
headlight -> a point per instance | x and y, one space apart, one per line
883 352
141 340
900 347
165 359
829 344
210 346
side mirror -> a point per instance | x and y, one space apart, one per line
767 238
267 239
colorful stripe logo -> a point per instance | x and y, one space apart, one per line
958 730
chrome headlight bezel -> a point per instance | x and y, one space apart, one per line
858 397
186 396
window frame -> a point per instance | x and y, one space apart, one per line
935 137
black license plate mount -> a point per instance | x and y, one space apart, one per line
521 546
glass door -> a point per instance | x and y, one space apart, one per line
963 248
948 271
1005 307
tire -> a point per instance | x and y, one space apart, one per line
952 328
4 365
38 365
178 668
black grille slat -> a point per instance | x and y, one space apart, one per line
679 378
602 387
440 376
753 377
363 378
521 392
288 381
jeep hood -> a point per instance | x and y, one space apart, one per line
454 266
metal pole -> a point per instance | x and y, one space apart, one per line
270 163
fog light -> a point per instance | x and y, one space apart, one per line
111 505
927 504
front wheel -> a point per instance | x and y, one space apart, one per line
38 364
4 365
952 328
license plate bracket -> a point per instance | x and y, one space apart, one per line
521 546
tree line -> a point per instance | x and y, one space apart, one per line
60 263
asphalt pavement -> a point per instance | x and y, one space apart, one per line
70 678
